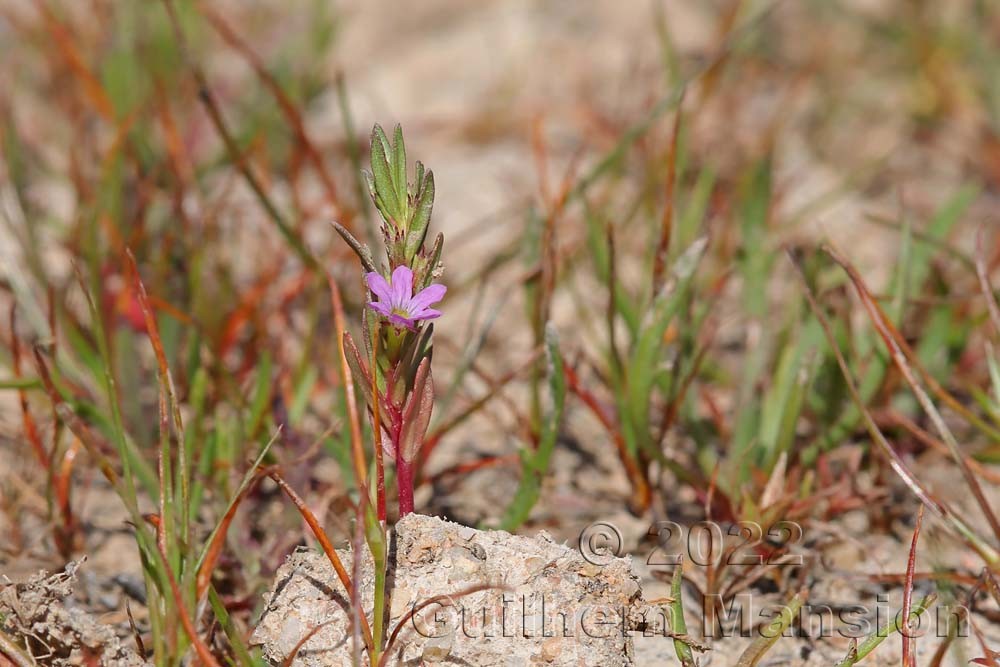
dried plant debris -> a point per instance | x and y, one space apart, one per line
491 599
41 615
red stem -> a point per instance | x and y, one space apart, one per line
404 473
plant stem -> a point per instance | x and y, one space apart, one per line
404 480
376 538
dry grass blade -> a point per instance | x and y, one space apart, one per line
989 655
62 487
667 221
991 583
75 424
168 394
302 642
909 641
894 418
641 494
982 272
984 580
326 545
30 428
900 353
963 530
288 107
93 90
134 629
353 416
214 550
232 148
163 459
443 598
211 553
889 332
204 654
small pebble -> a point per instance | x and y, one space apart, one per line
437 649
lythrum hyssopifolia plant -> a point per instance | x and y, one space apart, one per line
395 372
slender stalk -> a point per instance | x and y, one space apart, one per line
377 430
909 645
353 418
404 475
375 536
771 633
871 643
678 625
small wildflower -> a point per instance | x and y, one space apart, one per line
397 302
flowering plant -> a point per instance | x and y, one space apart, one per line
395 372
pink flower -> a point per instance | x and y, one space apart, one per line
397 302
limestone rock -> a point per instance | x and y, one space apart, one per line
544 605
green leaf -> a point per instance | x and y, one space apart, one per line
386 198
302 394
678 625
421 217
535 464
858 653
912 271
994 369
645 360
783 403
418 184
597 240
399 174
771 633
262 394
696 208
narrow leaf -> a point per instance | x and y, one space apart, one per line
421 217
382 176
363 252
417 413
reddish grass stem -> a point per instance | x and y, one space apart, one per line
909 641
326 545
641 495
353 417
904 357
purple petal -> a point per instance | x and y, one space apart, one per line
427 296
380 307
402 286
426 314
379 287
401 321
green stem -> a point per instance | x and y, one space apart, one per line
376 538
